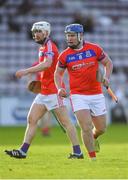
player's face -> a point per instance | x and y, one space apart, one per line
72 39
39 35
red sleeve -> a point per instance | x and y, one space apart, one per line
62 60
48 51
100 53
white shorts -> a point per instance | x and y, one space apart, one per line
95 103
51 101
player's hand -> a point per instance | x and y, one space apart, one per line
21 73
62 92
106 82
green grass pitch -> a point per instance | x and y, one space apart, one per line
47 157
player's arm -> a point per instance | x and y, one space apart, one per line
58 78
108 65
39 67
29 77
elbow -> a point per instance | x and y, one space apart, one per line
111 65
48 65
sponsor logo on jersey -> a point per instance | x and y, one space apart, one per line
81 65
49 54
41 54
80 56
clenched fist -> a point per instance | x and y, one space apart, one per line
21 73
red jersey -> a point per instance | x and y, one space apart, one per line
82 66
48 50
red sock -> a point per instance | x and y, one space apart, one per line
45 131
92 154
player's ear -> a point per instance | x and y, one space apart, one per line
46 33
81 36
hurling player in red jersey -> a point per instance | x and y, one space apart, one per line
81 59
48 99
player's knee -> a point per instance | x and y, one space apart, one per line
68 125
102 130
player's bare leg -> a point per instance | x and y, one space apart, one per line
99 128
85 121
35 113
62 115
99 125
